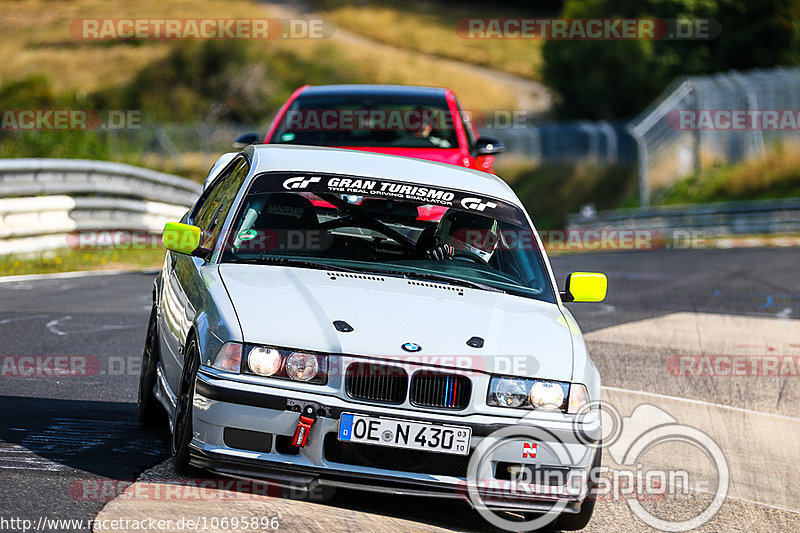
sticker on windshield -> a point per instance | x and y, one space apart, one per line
372 187
476 204
356 188
287 137
248 234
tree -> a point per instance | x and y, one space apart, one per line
616 79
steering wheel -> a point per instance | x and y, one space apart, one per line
461 254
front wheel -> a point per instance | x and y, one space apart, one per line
149 409
182 421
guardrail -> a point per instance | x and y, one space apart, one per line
45 201
760 217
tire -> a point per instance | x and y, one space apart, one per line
572 522
149 409
184 410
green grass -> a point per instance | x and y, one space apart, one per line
212 81
102 146
429 27
37 39
67 260
771 176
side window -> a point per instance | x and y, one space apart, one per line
216 205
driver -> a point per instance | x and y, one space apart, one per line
424 128
466 234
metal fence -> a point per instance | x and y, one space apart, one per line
175 143
601 143
44 202
670 149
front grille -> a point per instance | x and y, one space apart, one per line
376 383
433 389
399 459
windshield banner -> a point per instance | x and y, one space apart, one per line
353 186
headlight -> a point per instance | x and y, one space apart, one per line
286 364
528 393
264 361
229 357
509 392
302 366
546 395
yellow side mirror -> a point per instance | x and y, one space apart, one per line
181 238
585 287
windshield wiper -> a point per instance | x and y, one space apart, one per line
441 279
302 263
290 261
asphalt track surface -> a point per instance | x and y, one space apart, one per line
59 432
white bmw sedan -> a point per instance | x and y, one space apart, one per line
338 318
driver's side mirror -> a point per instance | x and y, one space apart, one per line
489 146
585 287
184 239
246 139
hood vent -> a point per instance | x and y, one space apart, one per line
475 342
342 326
458 290
369 277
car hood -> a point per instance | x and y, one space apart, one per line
296 307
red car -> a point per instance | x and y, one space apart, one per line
422 122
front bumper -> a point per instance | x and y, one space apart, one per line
268 417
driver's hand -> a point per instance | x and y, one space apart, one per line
443 251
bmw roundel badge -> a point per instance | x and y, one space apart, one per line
411 347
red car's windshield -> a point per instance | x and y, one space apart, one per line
386 121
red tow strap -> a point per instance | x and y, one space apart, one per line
307 419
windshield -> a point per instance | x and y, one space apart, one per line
388 227
373 120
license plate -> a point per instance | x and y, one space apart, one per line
404 434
